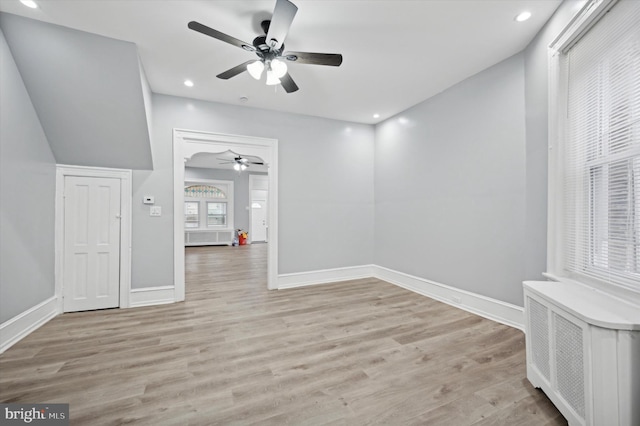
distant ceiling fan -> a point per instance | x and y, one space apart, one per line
239 162
270 49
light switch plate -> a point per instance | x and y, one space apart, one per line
155 211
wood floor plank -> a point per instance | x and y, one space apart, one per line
351 353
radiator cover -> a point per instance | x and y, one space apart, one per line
208 237
583 350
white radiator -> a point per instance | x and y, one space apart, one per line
583 351
207 238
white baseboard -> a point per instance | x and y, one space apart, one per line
486 307
149 296
18 327
324 276
493 309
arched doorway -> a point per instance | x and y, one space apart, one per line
186 144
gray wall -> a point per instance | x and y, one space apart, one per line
27 188
240 190
325 186
450 185
469 168
537 113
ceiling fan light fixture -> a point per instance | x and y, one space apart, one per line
243 167
272 79
236 167
255 69
279 68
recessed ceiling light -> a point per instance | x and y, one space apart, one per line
29 3
188 83
376 115
523 16
244 99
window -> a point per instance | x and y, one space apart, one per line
208 205
598 178
191 214
216 214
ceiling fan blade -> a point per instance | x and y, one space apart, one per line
288 84
255 157
332 59
245 161
196 26
234 71
283 15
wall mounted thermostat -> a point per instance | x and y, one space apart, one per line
148 199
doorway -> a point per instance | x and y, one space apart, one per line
188 143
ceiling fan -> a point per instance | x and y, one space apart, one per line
269 48
239 162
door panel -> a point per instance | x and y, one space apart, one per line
259 221
91 270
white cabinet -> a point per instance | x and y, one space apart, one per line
583 351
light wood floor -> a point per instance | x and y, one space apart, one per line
353 353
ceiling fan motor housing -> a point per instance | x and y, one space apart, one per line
264 50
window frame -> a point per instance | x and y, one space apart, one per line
584 20
225 215
185 214
227 186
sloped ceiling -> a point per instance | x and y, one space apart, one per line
86 90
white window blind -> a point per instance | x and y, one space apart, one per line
601 156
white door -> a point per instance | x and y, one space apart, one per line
259 198
91 270
259 221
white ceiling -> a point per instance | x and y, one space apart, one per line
396 53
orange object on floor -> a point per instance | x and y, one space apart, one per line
242 239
